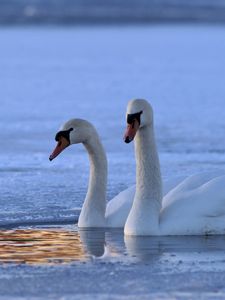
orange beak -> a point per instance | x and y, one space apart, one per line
131 131
62 144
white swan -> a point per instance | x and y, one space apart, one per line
94 212
196 206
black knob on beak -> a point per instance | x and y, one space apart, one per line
127 140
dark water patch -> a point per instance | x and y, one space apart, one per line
97 11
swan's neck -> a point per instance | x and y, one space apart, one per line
93 210
144 215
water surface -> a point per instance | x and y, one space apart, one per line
51 74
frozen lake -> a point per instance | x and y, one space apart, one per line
51 74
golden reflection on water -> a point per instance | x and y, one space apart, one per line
37 246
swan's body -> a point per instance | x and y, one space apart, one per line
196 206
95 212
118 208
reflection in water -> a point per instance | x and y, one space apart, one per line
152 248
50 245
93 241
99 243
37 246
63 245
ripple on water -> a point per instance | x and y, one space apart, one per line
68 244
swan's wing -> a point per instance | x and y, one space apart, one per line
177 190
118 208
178 185
196 206
172 182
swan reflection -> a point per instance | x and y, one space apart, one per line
52 245
93 241
102 244
148 249
67 245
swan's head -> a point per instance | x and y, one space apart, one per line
139 114
74 131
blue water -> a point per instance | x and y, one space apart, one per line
49 75
67 263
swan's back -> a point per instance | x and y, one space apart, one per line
195 207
